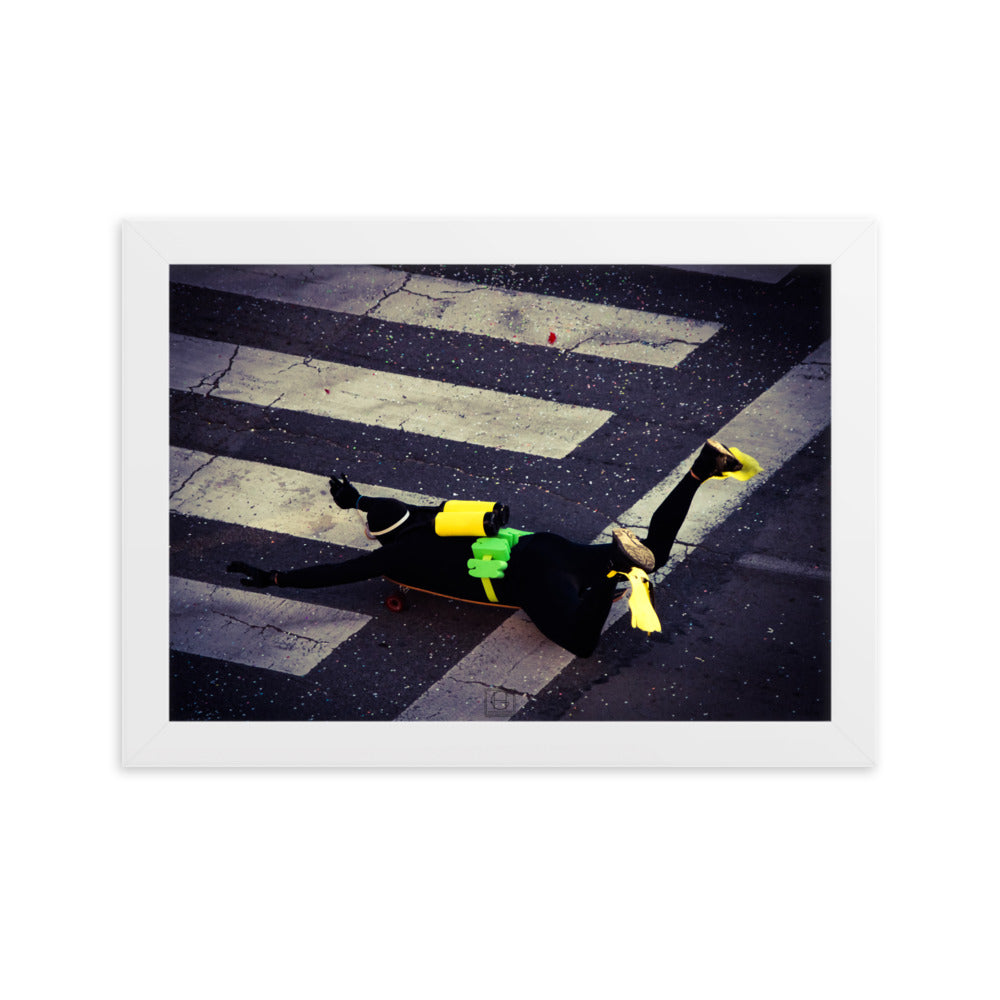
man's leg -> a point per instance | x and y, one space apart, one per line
669 516
564 588
571 618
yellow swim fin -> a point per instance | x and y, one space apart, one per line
640 600
750 466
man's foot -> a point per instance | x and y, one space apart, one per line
714 460
631 551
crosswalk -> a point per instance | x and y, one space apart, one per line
465 307
380 399
256 431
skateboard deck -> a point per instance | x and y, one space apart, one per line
397 600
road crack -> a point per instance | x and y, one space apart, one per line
271 628
387 294
216 376
305 362
606 340
204 465
492 687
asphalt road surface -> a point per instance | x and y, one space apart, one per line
575 395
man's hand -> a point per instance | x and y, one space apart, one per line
344 494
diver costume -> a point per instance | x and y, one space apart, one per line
566 588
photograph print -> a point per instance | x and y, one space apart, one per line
509 493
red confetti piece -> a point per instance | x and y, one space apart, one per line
552 337
327 391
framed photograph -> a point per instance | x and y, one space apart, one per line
499 492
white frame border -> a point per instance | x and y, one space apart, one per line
151 246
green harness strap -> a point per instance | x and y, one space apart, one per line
490 557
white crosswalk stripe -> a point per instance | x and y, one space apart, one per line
381 399
769 273
270 498
254 628
462 307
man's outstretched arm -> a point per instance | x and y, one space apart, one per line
365 567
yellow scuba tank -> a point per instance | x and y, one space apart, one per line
471 518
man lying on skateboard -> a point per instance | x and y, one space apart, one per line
564 587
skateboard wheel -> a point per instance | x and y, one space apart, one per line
395 603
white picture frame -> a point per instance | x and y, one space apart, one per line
849 739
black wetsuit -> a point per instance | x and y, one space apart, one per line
562 586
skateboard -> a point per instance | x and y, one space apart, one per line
398 601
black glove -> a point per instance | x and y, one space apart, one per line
254 577
344 494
